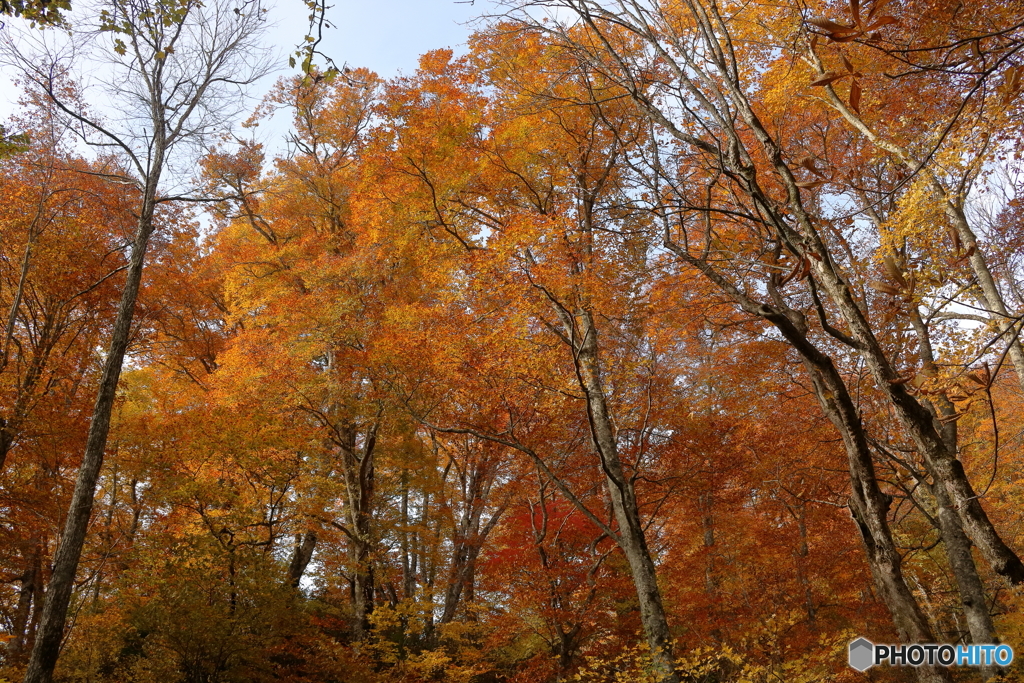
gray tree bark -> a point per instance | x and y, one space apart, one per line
470 533
65 563
301 556
869 506
170 79
28 595
580 329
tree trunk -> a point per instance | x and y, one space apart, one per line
582 332
360 484
304 546
469 535
362 589
915 419
868 504
801 554
27 596
991 298
954 540
10 427
705 501
940 459
869 507
65 564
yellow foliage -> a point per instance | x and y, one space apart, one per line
728 664
456 657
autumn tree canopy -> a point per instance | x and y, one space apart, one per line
644 341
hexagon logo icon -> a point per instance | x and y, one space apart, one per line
862 654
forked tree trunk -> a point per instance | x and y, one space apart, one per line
469 536
301 556
918 422
359 472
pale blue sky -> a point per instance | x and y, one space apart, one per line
385 36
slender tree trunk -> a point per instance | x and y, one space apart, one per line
801 554
404 546
11 426
991 298
705 502
27 596
416 562
915 419
868 504
360 484
304 546
469 536
869 507
19 292
954 540
65 564
583 334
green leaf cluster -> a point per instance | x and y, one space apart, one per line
39 12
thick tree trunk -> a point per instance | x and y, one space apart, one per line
965 572
868 504
363 589
565 648
915 419
460 578
948 471
65 564
869 507
939 456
